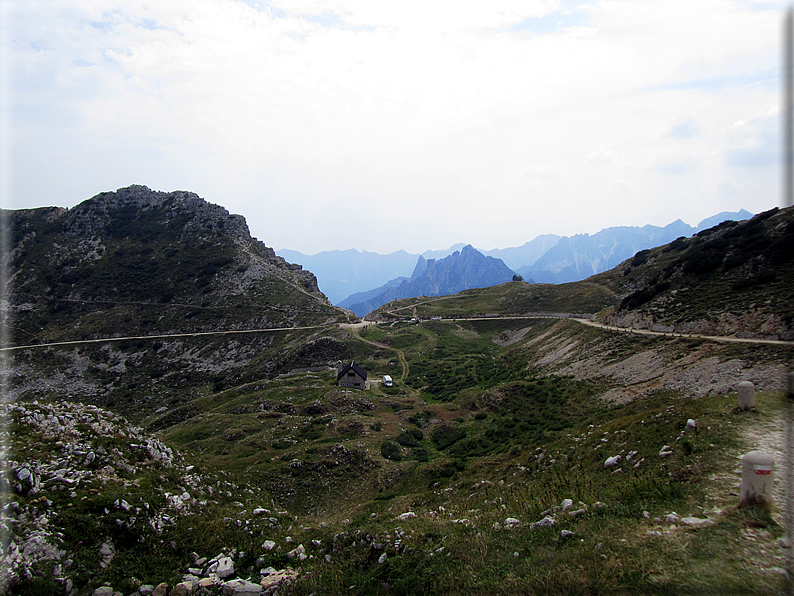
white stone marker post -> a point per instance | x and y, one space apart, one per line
758 479
746 395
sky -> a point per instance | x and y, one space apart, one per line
379 126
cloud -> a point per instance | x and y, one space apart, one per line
603 155
754 142
685 128
414 15
677 166
306 105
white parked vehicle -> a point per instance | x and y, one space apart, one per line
387 382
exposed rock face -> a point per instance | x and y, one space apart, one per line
77 461
64 462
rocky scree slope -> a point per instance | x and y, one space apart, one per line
94 499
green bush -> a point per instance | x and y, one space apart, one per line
390 451
407 440
444 436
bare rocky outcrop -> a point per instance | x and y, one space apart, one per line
66 459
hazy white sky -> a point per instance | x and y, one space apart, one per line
335 124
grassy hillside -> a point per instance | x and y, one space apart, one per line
514 455
512 298
453 488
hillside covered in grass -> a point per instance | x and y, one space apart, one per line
520 451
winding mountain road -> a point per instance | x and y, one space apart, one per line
355 327
722 338
76 342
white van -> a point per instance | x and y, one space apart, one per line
387 382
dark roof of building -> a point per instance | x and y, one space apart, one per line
362 373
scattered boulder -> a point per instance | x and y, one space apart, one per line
284 577
182 589
696 522
512 522
225 568
544 523
241 587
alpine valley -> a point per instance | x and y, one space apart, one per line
177 426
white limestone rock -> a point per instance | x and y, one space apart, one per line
544 523
225 568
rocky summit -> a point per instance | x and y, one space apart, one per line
462 270
161 260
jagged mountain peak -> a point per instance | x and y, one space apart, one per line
463 269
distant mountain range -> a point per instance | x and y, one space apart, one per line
462 270
583 255
353 277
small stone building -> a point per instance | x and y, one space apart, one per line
352 375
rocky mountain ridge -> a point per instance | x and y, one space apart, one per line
580 256
99 228
124 250
731 279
